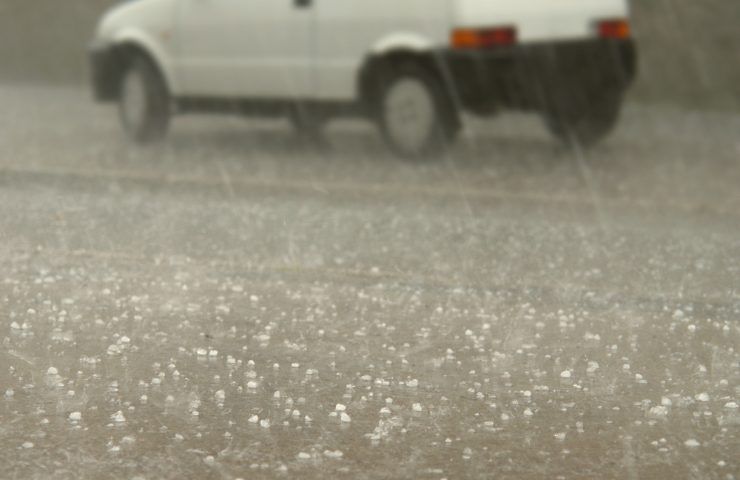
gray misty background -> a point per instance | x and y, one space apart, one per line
689 47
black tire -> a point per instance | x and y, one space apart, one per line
585 125
144 103
431 135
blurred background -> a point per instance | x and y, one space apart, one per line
688 47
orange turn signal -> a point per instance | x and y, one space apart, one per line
617 29
483 38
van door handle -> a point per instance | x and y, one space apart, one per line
302 3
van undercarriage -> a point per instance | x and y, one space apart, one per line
541 76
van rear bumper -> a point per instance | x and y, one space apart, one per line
541 76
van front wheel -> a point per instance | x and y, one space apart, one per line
144 102
415 114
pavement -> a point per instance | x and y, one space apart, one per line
234 304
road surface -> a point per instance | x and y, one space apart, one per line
232 304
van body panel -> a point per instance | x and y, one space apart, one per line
244 48
316 50
348 31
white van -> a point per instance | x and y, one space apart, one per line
411 66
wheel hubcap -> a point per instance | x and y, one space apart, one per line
409 114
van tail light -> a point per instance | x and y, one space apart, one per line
618 29
470 38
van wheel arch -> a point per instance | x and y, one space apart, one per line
144 100
121 57
382 74
375 66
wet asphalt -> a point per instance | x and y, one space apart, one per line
235 303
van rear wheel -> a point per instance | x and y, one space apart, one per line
144 102
415 114
585 125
